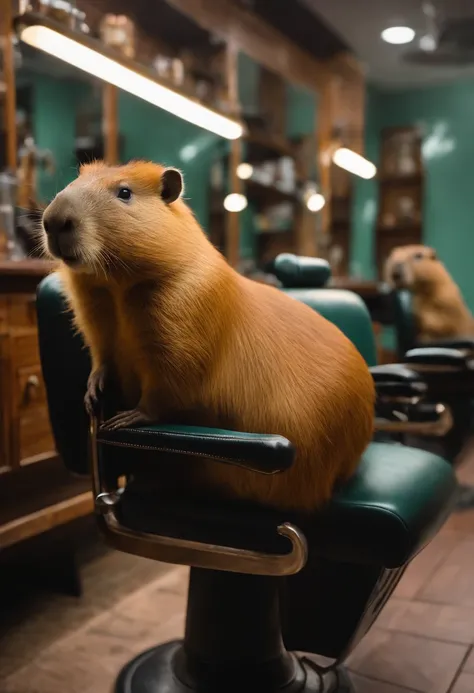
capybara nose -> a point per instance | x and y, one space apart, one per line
397 273
58 224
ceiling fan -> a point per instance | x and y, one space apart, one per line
447 41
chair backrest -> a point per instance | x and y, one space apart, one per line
66 366
346 310
300 272
404 321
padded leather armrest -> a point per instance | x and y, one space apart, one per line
466 343
440 358
267 454
396 380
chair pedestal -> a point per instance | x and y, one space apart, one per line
233 642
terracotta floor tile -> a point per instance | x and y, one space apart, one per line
461 522
453 582
365 685
154 607
145 633
423 566
436 621
464 684
408 661
465 463
469 665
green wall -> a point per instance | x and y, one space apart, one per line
54 104
445 115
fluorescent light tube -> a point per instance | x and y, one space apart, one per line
95 63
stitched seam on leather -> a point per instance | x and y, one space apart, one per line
238 462
196 437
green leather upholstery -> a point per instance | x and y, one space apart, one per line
66 367
404 320
296 271
346 310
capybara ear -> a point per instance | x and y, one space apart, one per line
433 255
171 185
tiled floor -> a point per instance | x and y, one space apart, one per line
423 641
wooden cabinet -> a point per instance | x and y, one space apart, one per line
27 436
36 491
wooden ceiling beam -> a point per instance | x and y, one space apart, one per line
257 39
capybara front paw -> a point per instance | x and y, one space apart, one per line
95 390
125 419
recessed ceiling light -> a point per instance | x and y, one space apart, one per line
398 34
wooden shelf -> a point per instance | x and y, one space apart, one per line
26 268
38 498
267 194
412 179
400 228
265 147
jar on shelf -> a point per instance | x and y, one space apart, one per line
118 32
10 245
60 11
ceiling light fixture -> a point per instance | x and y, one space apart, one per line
398 35
235 202
354 163
88 55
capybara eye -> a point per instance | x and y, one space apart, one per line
418 256
124 194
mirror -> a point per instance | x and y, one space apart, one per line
59 121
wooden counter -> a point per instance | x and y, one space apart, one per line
36 493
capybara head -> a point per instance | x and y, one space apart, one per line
414 267
119 218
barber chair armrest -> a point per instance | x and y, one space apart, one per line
397 381
267 454
153 531
463 343
399 409
420 418
438 359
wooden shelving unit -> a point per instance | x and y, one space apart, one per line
401 179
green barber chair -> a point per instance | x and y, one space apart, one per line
447 366
264 584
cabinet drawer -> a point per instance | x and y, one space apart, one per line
25 349
35 437
31 388
22 311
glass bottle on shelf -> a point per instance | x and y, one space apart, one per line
11 245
